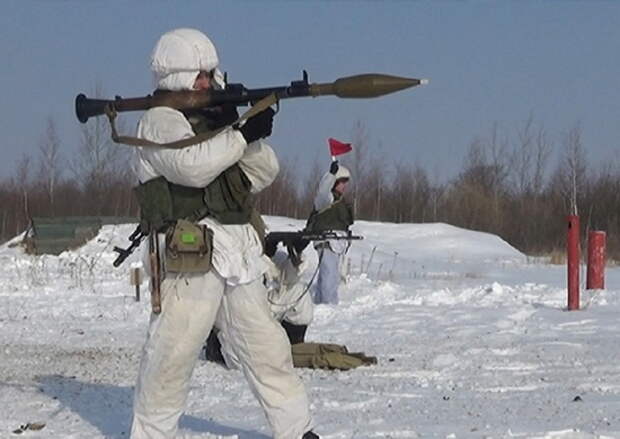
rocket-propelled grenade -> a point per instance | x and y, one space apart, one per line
369 85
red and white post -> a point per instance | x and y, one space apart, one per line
595 279
572 260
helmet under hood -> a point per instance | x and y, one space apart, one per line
342 173
180 55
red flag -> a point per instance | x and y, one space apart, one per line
336 147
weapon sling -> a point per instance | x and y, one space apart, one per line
261 105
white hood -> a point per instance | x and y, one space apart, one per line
179 56
343 173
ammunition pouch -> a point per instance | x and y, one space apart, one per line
228 197
189 248
162 203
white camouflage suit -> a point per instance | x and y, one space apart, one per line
288 298
331 250
235 283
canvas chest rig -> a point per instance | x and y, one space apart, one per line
227 199
336 216
175 209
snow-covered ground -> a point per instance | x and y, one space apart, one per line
472 337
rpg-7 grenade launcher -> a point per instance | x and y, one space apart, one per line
369 85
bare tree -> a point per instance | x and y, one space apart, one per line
99 161
411 193
309 187
543 148
529 158
522 157
23 181
372 198
498 147
280 198
575 167
402 194
359 166
50 162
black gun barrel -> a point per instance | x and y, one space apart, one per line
310 236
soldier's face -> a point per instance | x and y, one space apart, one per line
203 81
341 186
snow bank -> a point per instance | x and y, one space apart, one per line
472 337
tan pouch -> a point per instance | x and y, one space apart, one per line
189 248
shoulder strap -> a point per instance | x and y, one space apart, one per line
261 105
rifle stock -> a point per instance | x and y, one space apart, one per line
155 263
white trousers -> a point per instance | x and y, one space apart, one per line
326 290
176 336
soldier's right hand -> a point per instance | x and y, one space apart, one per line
271 245
333 168
258 126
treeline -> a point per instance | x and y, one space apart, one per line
510 184
92 180
507 185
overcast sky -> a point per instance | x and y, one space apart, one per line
488 61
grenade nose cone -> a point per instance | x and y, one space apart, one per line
372 85
391 84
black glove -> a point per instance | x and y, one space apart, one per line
213 118
224 115
258 126
295 248
271 245
300 244
333 168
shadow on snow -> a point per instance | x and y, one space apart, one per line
108 408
